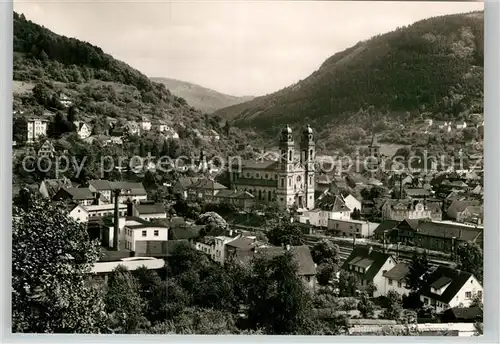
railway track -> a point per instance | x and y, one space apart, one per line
345 246
346 249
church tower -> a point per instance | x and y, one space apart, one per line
284 191
374 149
307 157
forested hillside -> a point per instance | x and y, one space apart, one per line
433 68
200 97
101 88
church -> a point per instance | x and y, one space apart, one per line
289 181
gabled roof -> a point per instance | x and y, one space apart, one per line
361 253
440 275
136 189
332 203
398 272
100 184
386 225
448 230
53 185
258 165
236 194
441 282
459 206
244 243
188 181
302 254
207 184
157 208
78 193
416 192
183 232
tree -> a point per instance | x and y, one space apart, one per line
278 300
286 234
148 281
470 133
203 321
20 130
41 93
124 303
51 257
371 288
325 272
348 283
419 265
215 224
325 250
470 259
366 307
394 307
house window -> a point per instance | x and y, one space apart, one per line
156 232
144 233
426 301
399 285
468 294
480 293
390 282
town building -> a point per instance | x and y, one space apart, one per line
436 236
49 187
83 130
46 150
395 279
137 230
148 211
78 212
447 288
65 100
244 250
105 209
145 124
351 228
81 195
465 210
240 199
132 128
289 181
328 207
400 209
374 155
129 191
36 128
370 265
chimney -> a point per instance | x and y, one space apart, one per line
116 232
130 208
230 232
370 250
97 198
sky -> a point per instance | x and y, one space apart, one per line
238 47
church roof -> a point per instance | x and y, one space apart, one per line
258 165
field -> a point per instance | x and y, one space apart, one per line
21 87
